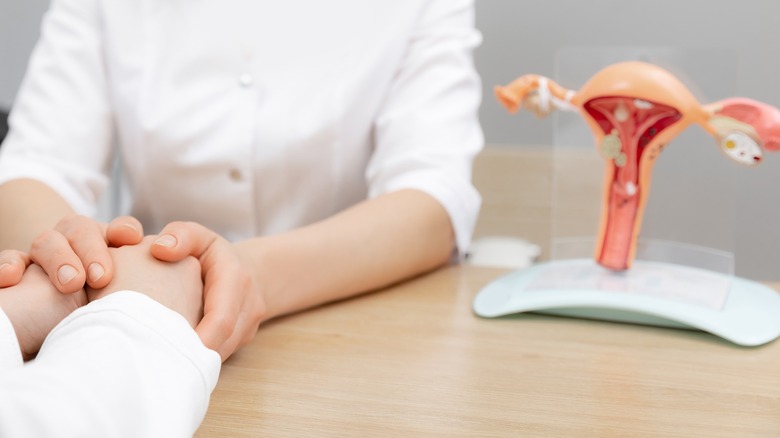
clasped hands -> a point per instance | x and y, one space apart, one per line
85 260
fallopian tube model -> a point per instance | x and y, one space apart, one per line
634 109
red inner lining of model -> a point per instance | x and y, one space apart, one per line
650 120
637 123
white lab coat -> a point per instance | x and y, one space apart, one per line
251 117
121 366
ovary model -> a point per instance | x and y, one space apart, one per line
634 109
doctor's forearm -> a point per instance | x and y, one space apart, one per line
28 208
369 246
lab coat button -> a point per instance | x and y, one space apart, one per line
235 175
246 80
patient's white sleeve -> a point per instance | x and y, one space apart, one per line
122 366
10 352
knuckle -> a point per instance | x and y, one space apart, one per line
70 221
185 227
44 240
52 248
258 313
66 220
10 255
77 234
189 224
175 225
79 228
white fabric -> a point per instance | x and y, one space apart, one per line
122 366
251 117
10 352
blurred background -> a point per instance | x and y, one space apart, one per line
718 48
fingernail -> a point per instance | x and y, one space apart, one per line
131 226
4 265
66 274
166 240
95 271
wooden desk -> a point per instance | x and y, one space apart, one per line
414 361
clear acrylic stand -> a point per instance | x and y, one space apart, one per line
683 274
661 294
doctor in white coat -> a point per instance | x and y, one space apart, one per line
310 150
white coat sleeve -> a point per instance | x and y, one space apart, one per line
10 351
428 131
122 366
61 123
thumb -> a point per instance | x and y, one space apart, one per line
181 239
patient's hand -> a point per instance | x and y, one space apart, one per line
177 286
34 306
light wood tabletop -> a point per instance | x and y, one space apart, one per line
414 361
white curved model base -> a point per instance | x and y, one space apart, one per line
738 310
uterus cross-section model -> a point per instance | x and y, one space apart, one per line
634 110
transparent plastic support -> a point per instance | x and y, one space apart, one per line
700 257
685 251
673 271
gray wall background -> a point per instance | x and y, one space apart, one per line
19 29
530 36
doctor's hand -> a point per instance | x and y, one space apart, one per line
34 306
177 286
233 302
74 253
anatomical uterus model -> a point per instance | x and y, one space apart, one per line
634 109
